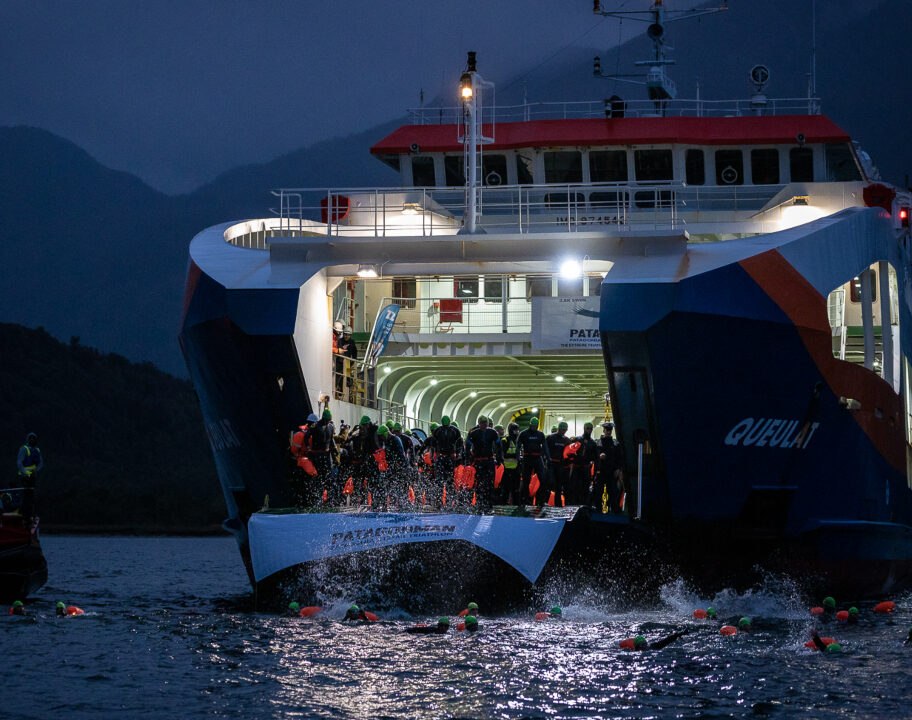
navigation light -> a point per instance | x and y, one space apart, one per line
465 83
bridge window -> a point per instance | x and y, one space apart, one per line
694 167
855 288
494 169
653 165
564 166
729 167
523 169
607 166
840 163
538 286
567 287
453 171
423 171
465 287
765 166
405 289
801 164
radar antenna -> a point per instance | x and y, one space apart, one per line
659 85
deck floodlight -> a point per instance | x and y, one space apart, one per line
560 419
503 404
367 271
533 410
800 200
473 394
433 381
570 269
410 208
387 369
559 378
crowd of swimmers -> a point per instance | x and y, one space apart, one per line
388 466
468 621
61 609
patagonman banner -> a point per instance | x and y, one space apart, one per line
565 323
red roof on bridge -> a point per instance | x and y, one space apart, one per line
747 130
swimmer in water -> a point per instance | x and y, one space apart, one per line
17 608
471 624
640 643
60 610
293 609
744 625
358 615
471 609
441 628
819 644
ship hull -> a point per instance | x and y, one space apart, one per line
23 568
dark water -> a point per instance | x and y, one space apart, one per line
168 633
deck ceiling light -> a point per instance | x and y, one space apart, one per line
433 381
503 404
559 378
387 369
570 269
473 394
800 200
367 271
410 208
533 410
560 419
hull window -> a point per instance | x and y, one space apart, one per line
453 171
840 163
523 169
608 166
423 171
494 169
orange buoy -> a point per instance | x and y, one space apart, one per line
729 630
325 495
887 606
73 610
627 644
842 615
542 616
444 496
463 613
825 640
551 499
309 611
422 498
370 616
460 626
411 495
349 487
369 499
473 497
498 475
534 485
563 502
816 611
699 614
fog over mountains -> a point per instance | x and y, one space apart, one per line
89 251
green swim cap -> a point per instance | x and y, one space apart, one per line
383 431
554 428
587 426
354 608
455 424
562 426
472 606
17 603
294 606
433 427
498 427
443 621
639 641
834 647
61 605
327 415
853 610
556 610
397 426
390 424
471 620
445 420
829 603
533 422
710 612
365 420
744 622
482 419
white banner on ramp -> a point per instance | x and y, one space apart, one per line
280 541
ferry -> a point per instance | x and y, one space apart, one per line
727 281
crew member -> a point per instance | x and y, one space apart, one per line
441 628
338 357
509 483
322 449
608 487
557 442
581 464
640 643
29 462
533 455
486 450
448 446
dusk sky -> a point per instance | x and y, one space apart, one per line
177 92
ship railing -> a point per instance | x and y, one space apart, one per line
359 387
426 212
618 108
462 315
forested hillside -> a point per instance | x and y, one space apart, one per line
123 443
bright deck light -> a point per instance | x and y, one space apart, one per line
387 369
503 404
534 410
367 271
559 378
473 394
570 269
560 419
433 381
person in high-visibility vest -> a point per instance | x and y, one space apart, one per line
29 462
509 483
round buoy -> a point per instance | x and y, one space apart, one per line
73 610
699 614
887 606
729 630
842 616
309 611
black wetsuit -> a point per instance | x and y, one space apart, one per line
559 467
438 629
448 444
606 476
581 464
485 444
533 452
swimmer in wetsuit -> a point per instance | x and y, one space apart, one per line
293 609
60 610
441 628
17 608
819 644
471 624
640 643
358 615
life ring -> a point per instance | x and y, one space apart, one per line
493 178
729 175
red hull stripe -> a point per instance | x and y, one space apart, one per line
806 308
753 130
